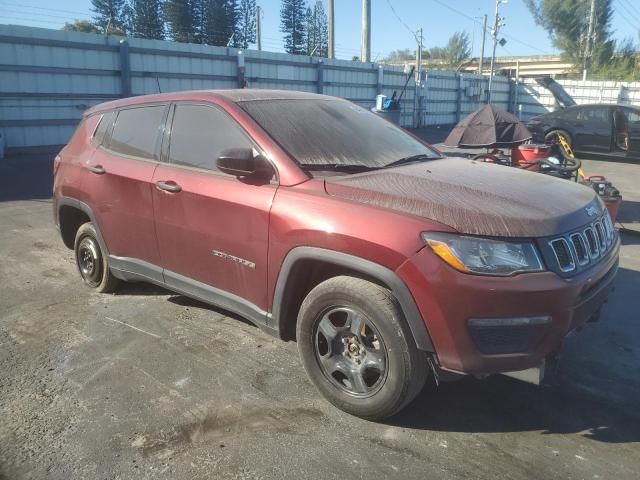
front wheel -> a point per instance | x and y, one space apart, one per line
357 349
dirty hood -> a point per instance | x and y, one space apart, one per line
473 197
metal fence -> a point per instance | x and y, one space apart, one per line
49 77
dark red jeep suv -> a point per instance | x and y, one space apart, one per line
325 224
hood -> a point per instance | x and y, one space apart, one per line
563 99
473 197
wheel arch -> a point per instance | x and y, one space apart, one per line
289 291
72 214
559 129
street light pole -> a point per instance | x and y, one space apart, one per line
589 39
331 30
484 34
494 33
259 27
365 45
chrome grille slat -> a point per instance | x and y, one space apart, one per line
580 248
601 236
594 250
585 246
563 254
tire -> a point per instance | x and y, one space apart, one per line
91 261
551 137
373 373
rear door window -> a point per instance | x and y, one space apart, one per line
137 131
594 114
200 132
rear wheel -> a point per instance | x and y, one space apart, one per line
357 349
91 261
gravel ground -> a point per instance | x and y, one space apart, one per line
148 384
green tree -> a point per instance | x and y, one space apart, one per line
180 16
316 31
400 56
567 22
309 32
455 54
292 25
147 21
82 26
320 30
110 12
219 22
246 29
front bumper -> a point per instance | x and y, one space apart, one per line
448 300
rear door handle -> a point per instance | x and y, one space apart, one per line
97 169
169 186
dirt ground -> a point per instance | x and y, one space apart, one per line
148 384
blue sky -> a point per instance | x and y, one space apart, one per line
388 31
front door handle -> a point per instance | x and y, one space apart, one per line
169 186
97 169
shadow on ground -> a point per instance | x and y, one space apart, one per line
149 289
501 404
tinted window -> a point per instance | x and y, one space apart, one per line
137 131
599 114
570 114
321 132
199 133
632 116
103 127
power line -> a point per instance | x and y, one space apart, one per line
413 34
24 5
514 39
35 21
48 15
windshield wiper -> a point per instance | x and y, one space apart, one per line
411 159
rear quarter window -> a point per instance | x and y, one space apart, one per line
104 126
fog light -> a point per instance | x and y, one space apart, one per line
509 322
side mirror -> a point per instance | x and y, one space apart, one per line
241 162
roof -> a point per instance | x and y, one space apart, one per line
233 95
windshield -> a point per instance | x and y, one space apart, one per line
334 133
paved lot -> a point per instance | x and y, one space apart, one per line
148 384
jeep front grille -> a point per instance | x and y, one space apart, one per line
587 245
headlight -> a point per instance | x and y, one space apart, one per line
484 256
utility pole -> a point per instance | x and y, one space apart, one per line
331 52
498 22
484 34
416 96
365 46
258 27
589 42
